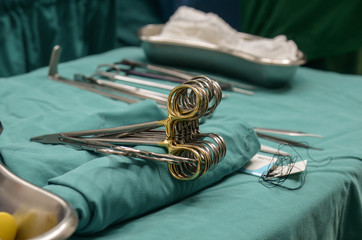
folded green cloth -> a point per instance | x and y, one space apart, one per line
111 189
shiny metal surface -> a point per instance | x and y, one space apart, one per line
122 88
54 75
246 67
39 214
179 76
286 141
116 76
286 132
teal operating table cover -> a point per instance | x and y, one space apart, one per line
124 198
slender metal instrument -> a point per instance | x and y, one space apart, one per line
286 132
265 133
116 76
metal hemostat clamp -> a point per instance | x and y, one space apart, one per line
190 153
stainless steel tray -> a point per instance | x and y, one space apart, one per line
241 65
39 214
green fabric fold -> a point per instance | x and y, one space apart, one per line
119 188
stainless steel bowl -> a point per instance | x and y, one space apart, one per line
39 214
246 67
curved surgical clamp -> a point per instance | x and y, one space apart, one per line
190 155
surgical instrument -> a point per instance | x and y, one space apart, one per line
130 90
106 88
116 76
175 74
190 156
54 75
261 132
285 132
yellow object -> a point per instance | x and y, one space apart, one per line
7 226
34 223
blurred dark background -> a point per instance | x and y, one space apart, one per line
329 33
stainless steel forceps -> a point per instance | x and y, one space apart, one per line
191 153
265 133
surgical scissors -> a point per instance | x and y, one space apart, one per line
191 154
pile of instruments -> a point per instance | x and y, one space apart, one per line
191 153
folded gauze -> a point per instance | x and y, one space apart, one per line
191 25
110 189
